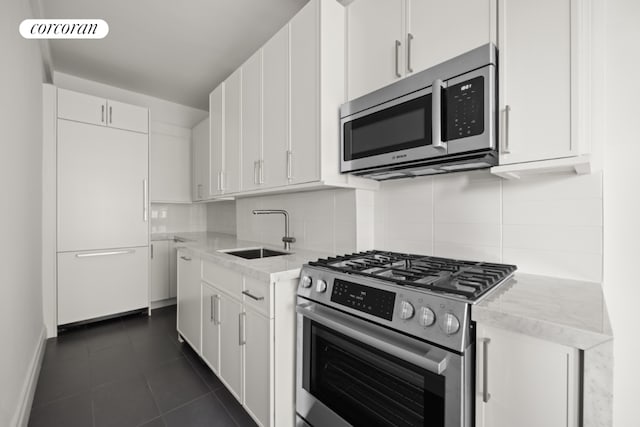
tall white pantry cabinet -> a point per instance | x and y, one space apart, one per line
102 207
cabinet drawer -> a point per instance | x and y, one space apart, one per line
81 107
257 294
222 278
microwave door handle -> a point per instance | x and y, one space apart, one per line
436 115
420 355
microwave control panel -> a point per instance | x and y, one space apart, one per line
465 109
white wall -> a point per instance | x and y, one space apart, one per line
221 217
622 203
319 220
550 225
172 218
21 324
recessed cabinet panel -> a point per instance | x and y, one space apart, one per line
275 112
258 367
216 115
201 155
211 327
170 168
231 354
189 301
252 176
535 122
127 116
231 177
81 107
102 187
159 270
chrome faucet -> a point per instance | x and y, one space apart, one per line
288 240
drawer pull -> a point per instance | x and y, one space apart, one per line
247 293
185 258
92 254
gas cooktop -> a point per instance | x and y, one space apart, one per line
466 280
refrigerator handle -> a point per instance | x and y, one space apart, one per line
145 200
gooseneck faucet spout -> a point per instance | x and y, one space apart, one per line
288 240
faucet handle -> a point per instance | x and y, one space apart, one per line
289 239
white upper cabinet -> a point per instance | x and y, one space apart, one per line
437 30
275 112
376 40
216 132
170 164
251 107
536 96
391 39
94 110
231 175
201 155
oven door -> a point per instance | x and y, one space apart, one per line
353 372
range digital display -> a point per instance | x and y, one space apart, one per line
363 298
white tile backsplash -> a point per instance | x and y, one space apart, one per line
550 225
221 217
171 218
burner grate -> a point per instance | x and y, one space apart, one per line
466 279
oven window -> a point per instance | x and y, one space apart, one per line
367 387
403 126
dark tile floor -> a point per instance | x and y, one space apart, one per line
130 371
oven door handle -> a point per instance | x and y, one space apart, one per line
418 353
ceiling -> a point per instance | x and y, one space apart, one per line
174 50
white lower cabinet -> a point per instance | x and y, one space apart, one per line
93 284
241 319
258 361
189 297
524 381
160 279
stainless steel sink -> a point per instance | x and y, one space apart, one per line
254 253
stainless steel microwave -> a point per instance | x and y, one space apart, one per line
439 120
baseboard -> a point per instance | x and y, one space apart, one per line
21 418
163 303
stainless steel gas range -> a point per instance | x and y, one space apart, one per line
386 339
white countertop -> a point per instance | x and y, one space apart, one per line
568 312
208 245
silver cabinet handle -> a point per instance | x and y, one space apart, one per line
92 254
218 177
216 318
247 293
152 251
436 115
199 191
485 370
289 154
261 170
102 117
398 44
409 39
255 172
110 114
222 180
505 139
211 309
242 340
185 258
145 201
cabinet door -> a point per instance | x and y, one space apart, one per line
189 318
216 131
101 283
127 116
211 327
231 355
374 29
251 108
275 113
305 96
440 30
81 107
159 270
201 170
537 93
102 187
232 136
529 382
170 167
173 269
258 375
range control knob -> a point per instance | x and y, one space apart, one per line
306 281
321 286
406 310
427 316
450 324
